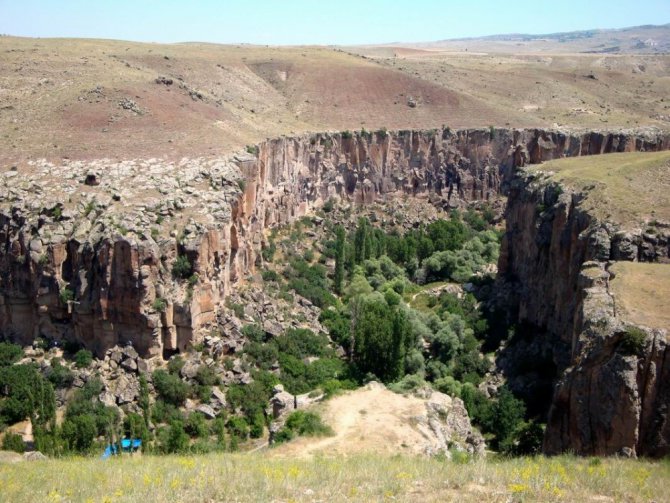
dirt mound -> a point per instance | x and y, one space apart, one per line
375 419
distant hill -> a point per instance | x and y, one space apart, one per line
647 39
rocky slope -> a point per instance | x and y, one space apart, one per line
610 398
89 249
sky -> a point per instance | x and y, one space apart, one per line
334 22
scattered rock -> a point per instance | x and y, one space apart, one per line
34 456
164 80
207 411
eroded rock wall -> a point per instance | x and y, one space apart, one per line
87 250
554 281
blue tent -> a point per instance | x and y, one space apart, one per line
127 445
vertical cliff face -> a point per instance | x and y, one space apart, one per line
87 251
554 274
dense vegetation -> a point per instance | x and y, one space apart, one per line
395 311
369 284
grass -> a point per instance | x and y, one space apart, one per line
642 293
251 477
628 188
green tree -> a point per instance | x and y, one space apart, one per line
340 242
196 425
83 358
79 432
380 338
9 353
24 393
134 426
13 442
176 440
170 387
144 400
506 417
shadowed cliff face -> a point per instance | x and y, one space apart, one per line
87 250
554 278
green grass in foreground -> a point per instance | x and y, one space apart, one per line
258 477
627 188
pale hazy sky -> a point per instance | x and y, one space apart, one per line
317 22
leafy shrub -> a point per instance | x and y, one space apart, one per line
633 341
86 402
253 397
163 412
238 427
174 439
270 275
59 375
79 432
449 386
24 393
83 358
257 425
301 342
506 417
302 423
175 365
170 387
182 267
134 426
196 425
329 205
66 295
254 332
529 438
407 384
159 304
477 405
268 252
13 442
9 353
206 376
262 355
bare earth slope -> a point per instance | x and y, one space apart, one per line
88 99
375 419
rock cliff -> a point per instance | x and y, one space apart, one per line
555 279
144 252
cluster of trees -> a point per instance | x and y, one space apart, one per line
365 311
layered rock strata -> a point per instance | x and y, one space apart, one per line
88 251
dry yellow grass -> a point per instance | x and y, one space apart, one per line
629 188
642 293
253 478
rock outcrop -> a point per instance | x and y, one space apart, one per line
554 281
144 253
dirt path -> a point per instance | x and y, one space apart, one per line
370 419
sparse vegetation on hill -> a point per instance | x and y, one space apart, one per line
629 188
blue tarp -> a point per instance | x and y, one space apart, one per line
127 445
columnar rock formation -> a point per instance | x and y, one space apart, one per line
554 277
88 250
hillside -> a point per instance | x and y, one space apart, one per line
631 189
88 99
196 240
649 39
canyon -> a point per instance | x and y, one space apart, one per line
89 250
